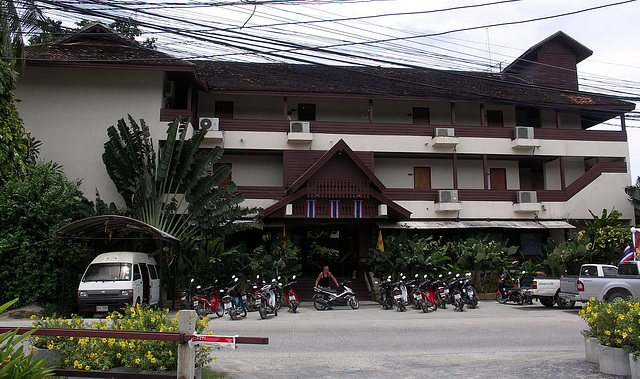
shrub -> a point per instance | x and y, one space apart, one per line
613 324
86 353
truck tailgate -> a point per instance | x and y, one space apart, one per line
569 284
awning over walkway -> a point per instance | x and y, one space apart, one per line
498 224
91 227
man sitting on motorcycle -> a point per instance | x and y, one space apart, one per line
323 278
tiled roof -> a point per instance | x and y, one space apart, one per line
402 82
98 44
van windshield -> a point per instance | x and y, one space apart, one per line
99 272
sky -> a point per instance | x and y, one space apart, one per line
475 35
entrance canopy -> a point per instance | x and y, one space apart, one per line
498 224
92 227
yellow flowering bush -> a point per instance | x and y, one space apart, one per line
84 353
614 324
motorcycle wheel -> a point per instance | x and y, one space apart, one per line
442 304
424 306
200 309
501 299
232 313
262 309
293 306
353 302
475 301
319 304
387 303
459 305
220 309
249 304
402 306
244 312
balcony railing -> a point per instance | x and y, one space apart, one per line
365 128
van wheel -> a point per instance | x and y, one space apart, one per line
616 296
547 301
564 303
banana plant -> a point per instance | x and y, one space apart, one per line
176 192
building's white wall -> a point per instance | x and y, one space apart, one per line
573 169
69 110
255 170
468 114
470 174
398 173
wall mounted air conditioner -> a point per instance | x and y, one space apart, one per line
444 132
527 197
448 196
209 123
299 127
523 132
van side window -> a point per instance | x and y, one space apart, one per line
152 272
136 272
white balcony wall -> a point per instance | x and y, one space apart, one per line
330 109
508 113
398 173
470 174
244 107
573 169
71 109
512 170
468 114
255 170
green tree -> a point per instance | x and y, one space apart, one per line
14 141
31 209
609 237
177 192
634 197
17 19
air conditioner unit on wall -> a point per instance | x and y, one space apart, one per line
523 132
209 123
448 196
299 127
444 132
527 197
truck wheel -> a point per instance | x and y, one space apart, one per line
615 296
564 303
547 301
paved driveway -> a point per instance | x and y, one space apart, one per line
503 341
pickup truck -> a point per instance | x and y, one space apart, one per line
623 283
548 290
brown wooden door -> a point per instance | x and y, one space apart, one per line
422 177
498 178
421 116
224 109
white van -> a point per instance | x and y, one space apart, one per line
117 279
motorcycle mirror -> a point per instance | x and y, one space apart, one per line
449 273
417 275
198 287
293 278
425 276
440 276
192 280
257 277
235 280
273 280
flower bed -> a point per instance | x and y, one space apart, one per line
614 324
106 353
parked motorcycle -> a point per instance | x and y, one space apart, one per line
386 293
424 295
187 298
400 294
207 301
291 295
232 300
456 286
470 296
266 299
250 295
326 298
442 291
505 294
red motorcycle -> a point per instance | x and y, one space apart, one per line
425 296
291 296
207 301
